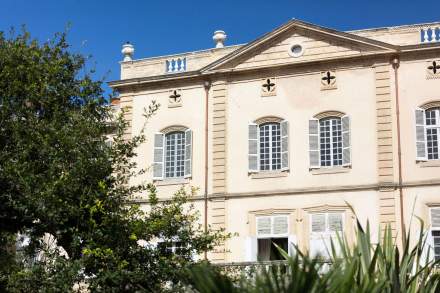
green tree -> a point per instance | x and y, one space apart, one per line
61 181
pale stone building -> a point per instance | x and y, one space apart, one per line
282 134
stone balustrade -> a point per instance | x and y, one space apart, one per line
251 269
175 65
430 34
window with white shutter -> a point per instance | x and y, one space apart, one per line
172 154
268 146
272 231
323 230
329 142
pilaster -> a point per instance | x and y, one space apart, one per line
385 163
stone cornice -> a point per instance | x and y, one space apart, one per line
310 190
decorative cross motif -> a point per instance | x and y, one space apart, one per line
328 77
175 97
269 85
434 67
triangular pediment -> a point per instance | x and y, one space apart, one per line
317 43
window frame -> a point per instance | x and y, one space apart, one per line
271 147
175 159
332 149
436 126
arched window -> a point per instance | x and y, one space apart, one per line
172 153
175 154
427 133
268 145
329 141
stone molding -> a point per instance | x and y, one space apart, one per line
327 114
268 119
173 128
392 186
431 104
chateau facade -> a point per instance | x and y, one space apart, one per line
284 134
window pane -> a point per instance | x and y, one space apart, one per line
330 131
270 146
274 252
174 154
432 133
263 249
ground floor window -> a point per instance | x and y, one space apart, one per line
323 230
272 231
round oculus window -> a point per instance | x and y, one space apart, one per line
296 50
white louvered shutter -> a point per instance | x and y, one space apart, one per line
420 135
158 156
335 222
346 141
251 248
253 148
318 236
435 218
284 145
280 225
314 143
318 223
292 242
264 225
188 153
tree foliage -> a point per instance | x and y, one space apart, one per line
62 184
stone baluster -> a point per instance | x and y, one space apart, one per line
425 36
175 65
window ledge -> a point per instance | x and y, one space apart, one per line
176 181
432 163
275 174
333 170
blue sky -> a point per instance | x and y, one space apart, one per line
164 27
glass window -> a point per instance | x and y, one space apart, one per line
268 251
169 248
175 154
270 146
323 230
432 132
330 141
272 231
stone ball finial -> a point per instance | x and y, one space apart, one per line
127 51
219 38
